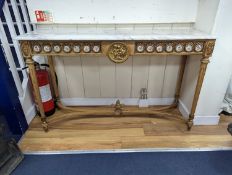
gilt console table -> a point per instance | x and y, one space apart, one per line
118 47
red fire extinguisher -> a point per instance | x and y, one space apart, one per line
45 90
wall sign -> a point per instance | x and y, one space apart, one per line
43 16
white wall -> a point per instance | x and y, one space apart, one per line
220 66
27 102
116 11
207 11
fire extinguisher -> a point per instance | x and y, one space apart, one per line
45 89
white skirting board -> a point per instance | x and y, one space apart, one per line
198 120
206 120
30 114
183 110
112 101
27 102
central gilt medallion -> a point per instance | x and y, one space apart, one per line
118 52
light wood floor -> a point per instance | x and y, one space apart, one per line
123 133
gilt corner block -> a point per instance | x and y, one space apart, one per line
26 49
209 47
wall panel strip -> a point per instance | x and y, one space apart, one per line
73 70
171 75
156 76
107 77
61 74
123 79
140 74
90 66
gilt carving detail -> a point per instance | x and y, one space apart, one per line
209 46
118 52
26 51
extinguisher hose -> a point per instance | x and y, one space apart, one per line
24 67
45 65
36 64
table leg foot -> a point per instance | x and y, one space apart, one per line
189 124
45 125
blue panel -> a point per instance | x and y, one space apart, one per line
10 105
13 51
21 13
20 75
9 38
25 28
3 17
1 5
12 13
16 29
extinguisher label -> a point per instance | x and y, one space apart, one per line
45 93
43 16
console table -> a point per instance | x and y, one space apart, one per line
118 47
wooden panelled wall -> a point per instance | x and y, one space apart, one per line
93 77
99 77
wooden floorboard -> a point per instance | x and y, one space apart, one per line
122 133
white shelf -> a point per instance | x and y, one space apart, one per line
155 35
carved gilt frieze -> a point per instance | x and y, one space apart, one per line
169 47
64 47
117 51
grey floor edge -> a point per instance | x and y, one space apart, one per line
126 150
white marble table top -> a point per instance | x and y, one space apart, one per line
155 35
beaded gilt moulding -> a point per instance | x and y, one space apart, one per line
117 51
